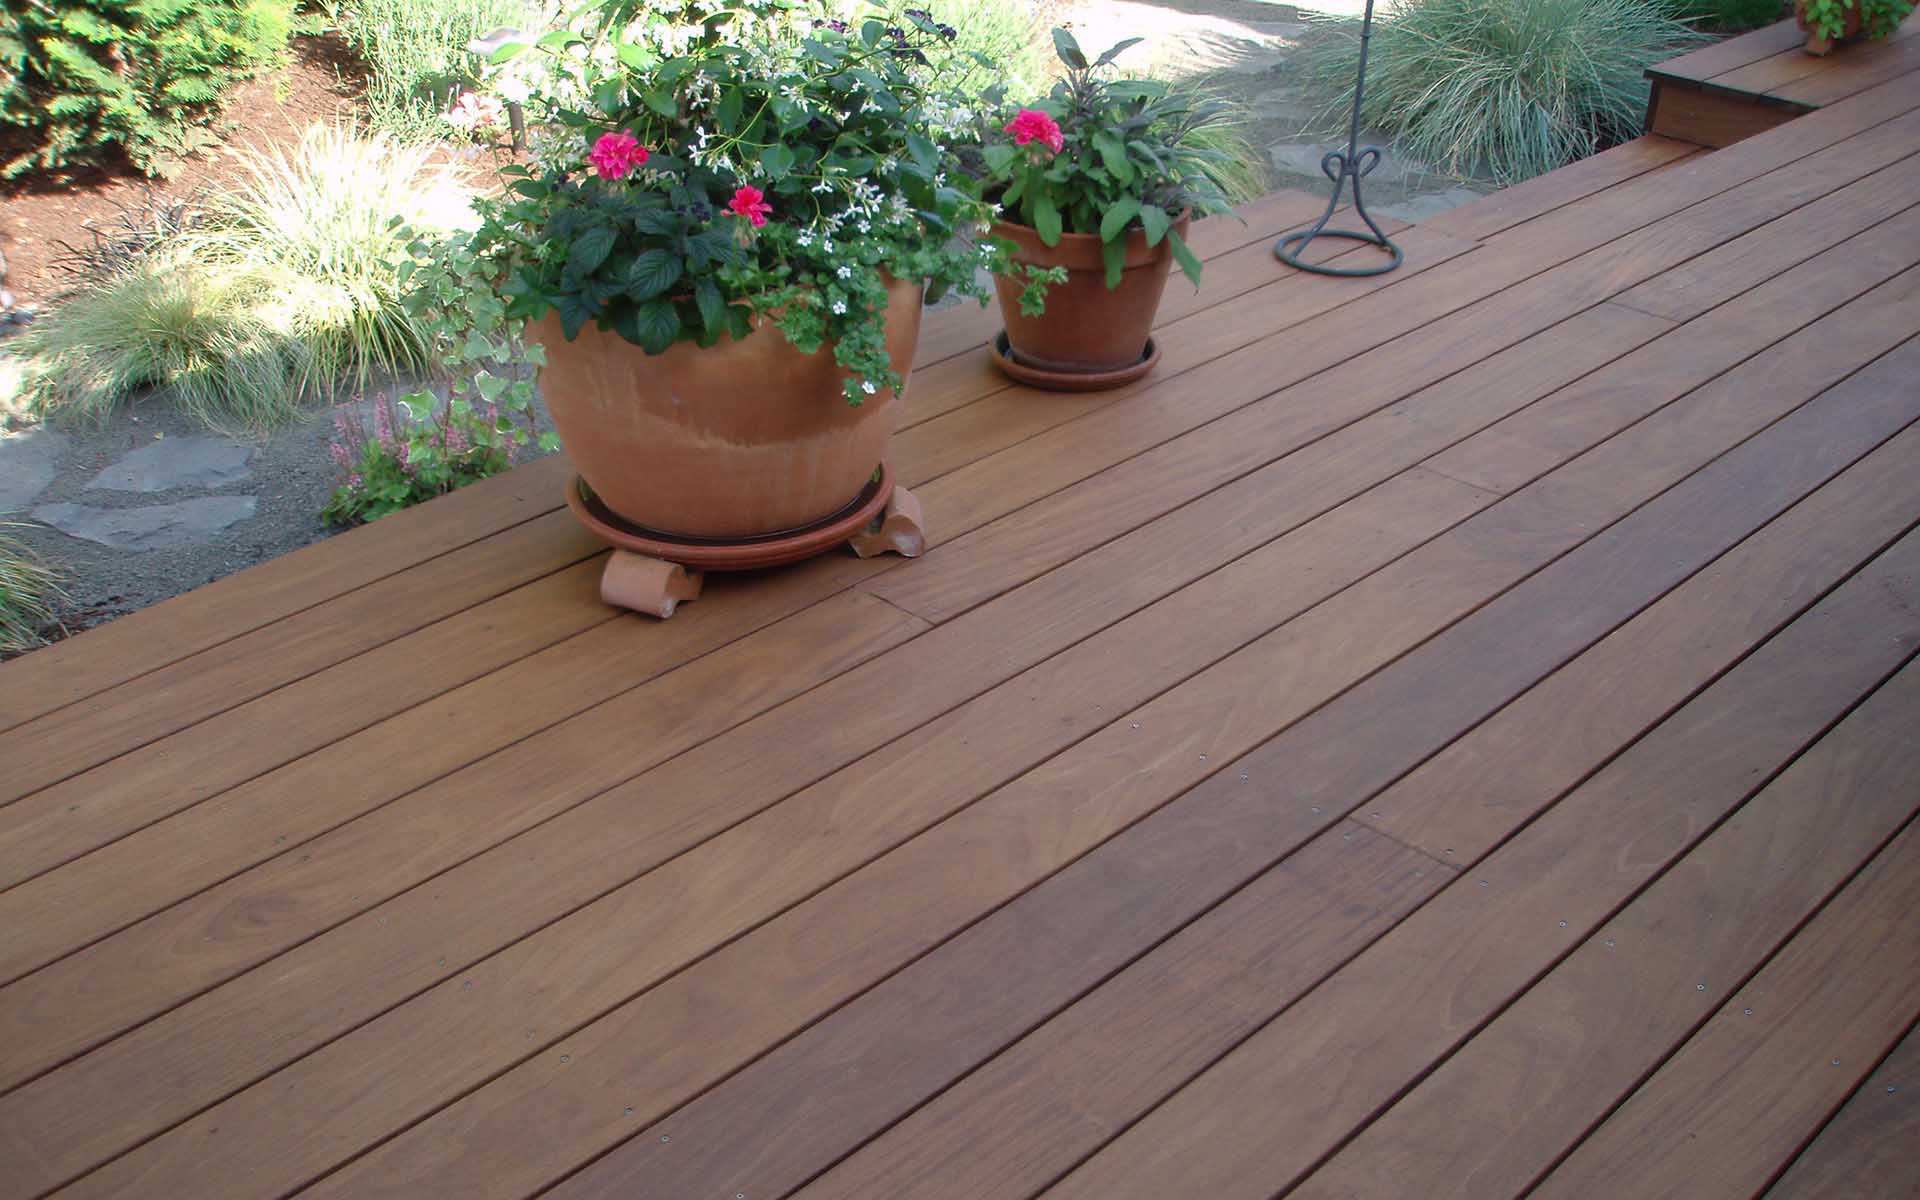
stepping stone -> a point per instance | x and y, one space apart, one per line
183 462
155 527
27 462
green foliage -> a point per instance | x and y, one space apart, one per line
27 587
85 78
1729 16
284 282
1512 88
1108 156
1878 18
487 417
416 54
1000 42
742 164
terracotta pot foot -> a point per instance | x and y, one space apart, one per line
1819 45
646 584
897 531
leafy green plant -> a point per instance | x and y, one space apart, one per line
84 79
999 42
416 54
278 287
704 166
1106 155
1512 88
1729 16
1878 18
484 422
27 588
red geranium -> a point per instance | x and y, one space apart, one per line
615 155
751 203
1032 125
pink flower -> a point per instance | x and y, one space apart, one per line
1032 125
473 111
615 155
751 203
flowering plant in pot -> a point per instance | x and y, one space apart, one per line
1095 187
1829 22
723 244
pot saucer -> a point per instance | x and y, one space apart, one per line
1069 381
733 554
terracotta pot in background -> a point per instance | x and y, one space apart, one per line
1819 44
1086 328
739 439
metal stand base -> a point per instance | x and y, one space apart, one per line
1340 166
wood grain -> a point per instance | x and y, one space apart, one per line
1579 1041
1866 1151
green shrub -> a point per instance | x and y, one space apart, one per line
1878 18
288 281
1730 15
83 79
27 586
416 54
1512 88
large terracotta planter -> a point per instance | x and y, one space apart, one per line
1820 44
1087 329
737 440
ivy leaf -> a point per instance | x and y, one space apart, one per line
713 310
653 272
633 56
1046 219
999 157
1183 255
589 250
778 160
1116 219
927 154
1155 221
658 325
660 101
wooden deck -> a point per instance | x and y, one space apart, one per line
1746 85
1451 734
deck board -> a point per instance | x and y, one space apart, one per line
1275 744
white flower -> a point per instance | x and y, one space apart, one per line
804 240
845 272
822 186
864 227
867 386
839 307
827 245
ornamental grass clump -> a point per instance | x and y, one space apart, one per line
705 167
28 588
1506 88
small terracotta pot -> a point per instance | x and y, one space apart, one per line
1086 328
1820 44
740 439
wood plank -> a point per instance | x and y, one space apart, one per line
677 711
1583 1038
1750 260
1286 929
1759 82
1869 65
1820 1014
1714 119
1326 1065
679 912
1866 1151
131 646
1502 210
1521 447
275 813
675 1040
1464 801
63 743
1244 431
1721 57
1031 1114
1052 624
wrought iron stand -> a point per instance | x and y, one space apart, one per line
1340 166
